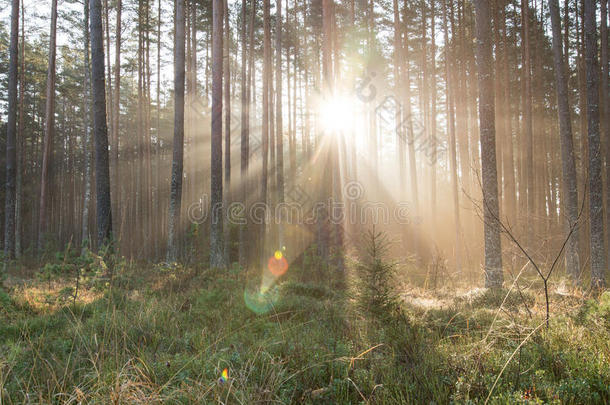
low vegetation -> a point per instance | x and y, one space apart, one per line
153 334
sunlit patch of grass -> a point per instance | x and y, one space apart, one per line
49 296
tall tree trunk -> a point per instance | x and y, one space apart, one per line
109 99
147 142
178 154
116 113
409 124
450 102
49 129
100 129
606 106
568 165
11 134
598 253
432 134
227 106
279 170
251 66
20 146
244 147
216 238
527 114
493 254
158 223
86 243
398 88
508 162
265 124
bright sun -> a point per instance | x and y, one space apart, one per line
336 114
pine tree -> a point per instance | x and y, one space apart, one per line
493 254
216 236
596 212
178 154
567 146
100 129
49 130
11 134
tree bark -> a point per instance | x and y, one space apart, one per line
568 165
606 105
432 133
11 135
175 201
216 237
265 124
484 58
100 129
450 103
86 243
244 146
279 170
116 112
227 106
49 130
20 146
409 123
598 252
527 114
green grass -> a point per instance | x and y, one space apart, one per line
163 335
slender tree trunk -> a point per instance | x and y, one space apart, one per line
450 102
461 109
178 154
605 89
508 162
568 164
116 114
86 243
11 134
598 253
527 114
147 142
49 130
493 254
216 238
109 99
409 123
251 66
432 134
279 170
265 124
158 228
244 147
20 146
398 85
227 106
100 129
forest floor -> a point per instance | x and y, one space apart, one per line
165 334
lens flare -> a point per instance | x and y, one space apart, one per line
224 376
277 265
260 302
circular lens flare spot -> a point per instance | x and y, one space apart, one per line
261 302
277 265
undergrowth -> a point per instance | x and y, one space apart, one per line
163 334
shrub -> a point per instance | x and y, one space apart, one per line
375 292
